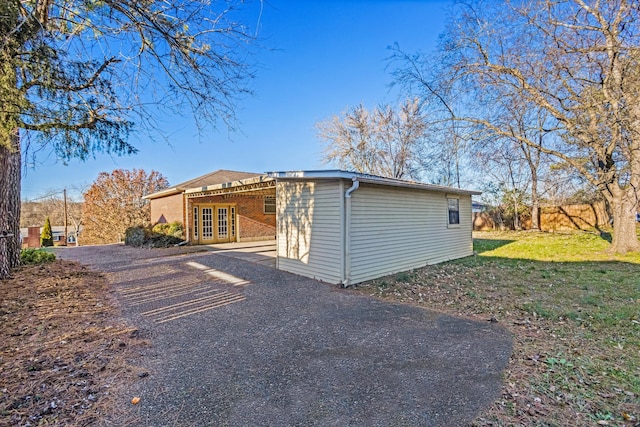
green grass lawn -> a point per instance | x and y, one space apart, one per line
573 309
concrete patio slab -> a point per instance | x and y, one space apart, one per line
261 252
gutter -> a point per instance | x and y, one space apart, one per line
367 178
346 280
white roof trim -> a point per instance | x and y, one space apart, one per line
366 178
166 192
230 184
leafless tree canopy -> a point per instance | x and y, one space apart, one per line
574 61
80 73
35 212
383 142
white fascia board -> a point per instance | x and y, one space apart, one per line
370 179
315 174
230 184
162 193
420 186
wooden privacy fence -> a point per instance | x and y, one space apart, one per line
483 221
554 218
571 217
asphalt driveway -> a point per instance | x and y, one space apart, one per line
236 343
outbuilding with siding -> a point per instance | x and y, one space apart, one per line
332 225
345 228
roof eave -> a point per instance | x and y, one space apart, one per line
230 184
163 193
371 179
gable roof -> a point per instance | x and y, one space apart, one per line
218 177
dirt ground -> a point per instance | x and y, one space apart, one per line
63 354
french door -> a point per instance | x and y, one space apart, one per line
214 224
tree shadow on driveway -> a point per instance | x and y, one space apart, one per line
295 351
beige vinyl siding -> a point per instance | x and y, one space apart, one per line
309 232
397 229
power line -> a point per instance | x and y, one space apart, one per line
49 195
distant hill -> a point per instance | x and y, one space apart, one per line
34 213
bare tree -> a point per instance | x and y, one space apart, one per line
530 123
50 204
575 60
563 186
76 75
349 140
382 142
421 76
507 170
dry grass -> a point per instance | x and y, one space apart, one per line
63 357
574 312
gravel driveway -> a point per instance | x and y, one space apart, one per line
240 344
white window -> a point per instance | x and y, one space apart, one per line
269 205
223 223
207 223
233 222
195 223
454 211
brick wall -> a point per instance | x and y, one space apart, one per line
33 238
250 229
167 209
249 207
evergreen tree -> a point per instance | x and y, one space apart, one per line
46 238
77 75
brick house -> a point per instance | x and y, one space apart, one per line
222 206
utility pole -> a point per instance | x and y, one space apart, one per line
66 238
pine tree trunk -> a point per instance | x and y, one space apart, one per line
623 204
10 162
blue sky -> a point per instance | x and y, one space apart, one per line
324 56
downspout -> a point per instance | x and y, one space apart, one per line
346 281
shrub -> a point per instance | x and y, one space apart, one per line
147 236
35 256
46 238
175 229
135 236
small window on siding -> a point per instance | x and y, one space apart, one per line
269 205
454 211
